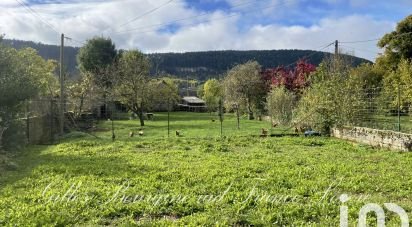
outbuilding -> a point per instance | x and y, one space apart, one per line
192 104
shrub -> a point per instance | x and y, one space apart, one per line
334 99
280 103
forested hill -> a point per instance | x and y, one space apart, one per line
196 65
204 64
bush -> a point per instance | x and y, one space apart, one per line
280 103
335 98
14 138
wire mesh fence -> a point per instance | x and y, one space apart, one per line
41 120
384 109
380 109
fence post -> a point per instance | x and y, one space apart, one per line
28 121
221 117
399 108
51 121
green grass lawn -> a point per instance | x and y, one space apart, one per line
200 178
388 123
190 125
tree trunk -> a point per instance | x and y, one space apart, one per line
141 117
238 118
2 130
105 105
81 106
250 112
251 117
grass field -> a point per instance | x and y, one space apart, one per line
199 178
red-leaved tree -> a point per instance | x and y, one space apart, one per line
295 79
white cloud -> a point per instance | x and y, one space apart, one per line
82 20
219 35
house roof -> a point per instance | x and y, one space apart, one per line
193 100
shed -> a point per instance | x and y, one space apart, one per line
192 104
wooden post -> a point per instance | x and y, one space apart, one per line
61 87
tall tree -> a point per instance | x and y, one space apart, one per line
397 44
212 93
132 82
97 58
97 54
244 88
80 92
163 91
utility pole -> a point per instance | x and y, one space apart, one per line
61 120
336 57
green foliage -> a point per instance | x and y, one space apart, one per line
23 75
82 93
163 91
397 44
14 138
132 80
401 80
200 90
370 77
95 57
47 51
244 88
333 99
280 104
212 93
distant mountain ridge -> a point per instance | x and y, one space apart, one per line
197 65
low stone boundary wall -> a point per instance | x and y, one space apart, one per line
374 137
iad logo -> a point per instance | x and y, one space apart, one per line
372 207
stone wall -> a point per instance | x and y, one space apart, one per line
374 137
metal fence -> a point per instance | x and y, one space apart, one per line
41 121
384 109
379 109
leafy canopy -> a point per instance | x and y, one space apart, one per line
96 57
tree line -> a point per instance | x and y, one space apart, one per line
197 65
332 94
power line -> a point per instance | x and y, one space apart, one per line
75 40
310 55
139 29
359 41
146 13
34 13
360 49
371 40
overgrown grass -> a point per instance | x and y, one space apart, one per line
199 179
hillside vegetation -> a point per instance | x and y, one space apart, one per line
197 65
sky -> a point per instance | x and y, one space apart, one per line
200 25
